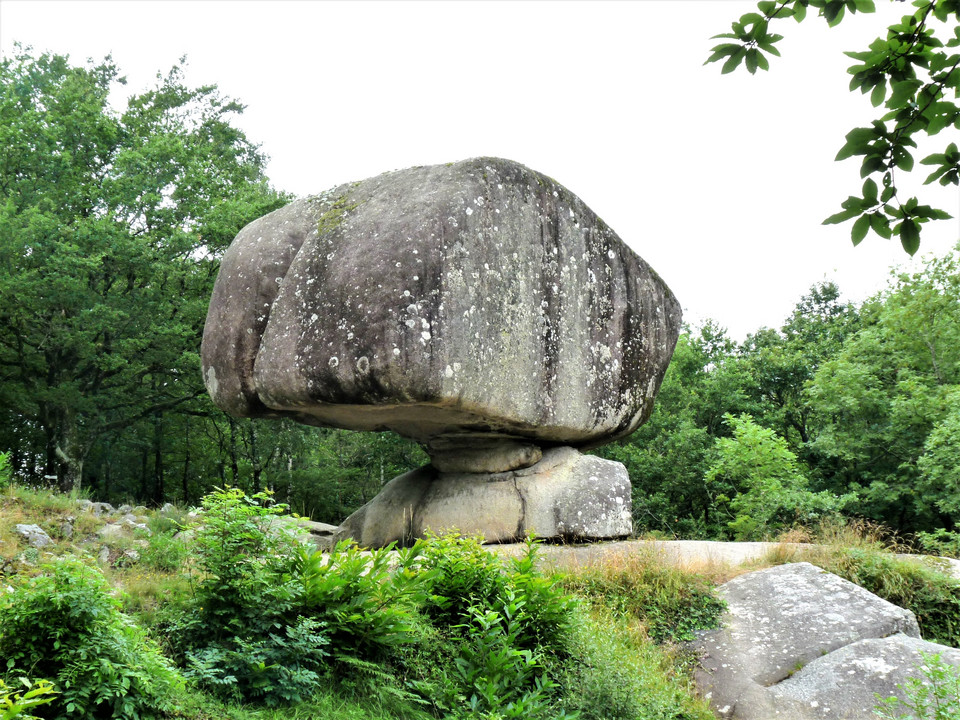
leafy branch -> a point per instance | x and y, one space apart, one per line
888 70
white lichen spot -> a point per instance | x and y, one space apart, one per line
363 364
448 372
314 318
410 323
396 351
333 362
469 211
425 335
611 254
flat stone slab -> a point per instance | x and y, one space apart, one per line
845 684
565 495
779 621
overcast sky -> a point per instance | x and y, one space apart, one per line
719 182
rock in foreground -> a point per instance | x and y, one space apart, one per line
799 643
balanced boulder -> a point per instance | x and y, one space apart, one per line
479 308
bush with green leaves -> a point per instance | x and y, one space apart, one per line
935 696
240 634
503 626
64 625
15 704
369 601
757 473
5 471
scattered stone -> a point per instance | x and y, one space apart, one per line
566 495
780 621
124 509
111 531
102 508
128 557
168 509
103 557
140 510
85 505
66 529
34 535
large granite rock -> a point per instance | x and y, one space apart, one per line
565 495
478 307
799 643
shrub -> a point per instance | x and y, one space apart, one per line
240 634
6 474
65 626
499 623
936 696
14 705
369 601
277 668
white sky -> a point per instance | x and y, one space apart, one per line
719 182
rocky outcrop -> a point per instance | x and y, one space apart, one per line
479 308
800 643
565 495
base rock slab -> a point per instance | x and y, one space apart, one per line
566 495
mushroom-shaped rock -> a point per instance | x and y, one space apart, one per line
478 307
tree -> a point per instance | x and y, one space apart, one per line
763 481
909 73
876 402
111 225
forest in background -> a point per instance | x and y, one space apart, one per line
112 223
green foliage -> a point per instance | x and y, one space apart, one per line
615 673
769 489
671 604
494 677
164 552
876 402
14 705
280 667
940 542
111 226
240 634
939 465
369 601
5 470
935 696
910 72
65 625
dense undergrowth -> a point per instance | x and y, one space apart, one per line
246 620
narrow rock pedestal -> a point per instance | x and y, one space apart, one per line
566 495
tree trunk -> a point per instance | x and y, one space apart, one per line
158 488
69 452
